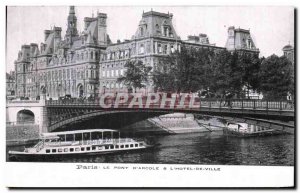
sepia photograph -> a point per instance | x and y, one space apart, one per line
168 88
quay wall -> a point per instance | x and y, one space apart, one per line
21 134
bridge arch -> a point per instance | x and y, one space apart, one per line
25 116
118 115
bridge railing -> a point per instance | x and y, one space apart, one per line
248 104
207 103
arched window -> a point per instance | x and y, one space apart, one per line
165 49
172 49
142 49
159 48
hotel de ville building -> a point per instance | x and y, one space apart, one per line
89 63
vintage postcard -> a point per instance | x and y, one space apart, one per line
152 96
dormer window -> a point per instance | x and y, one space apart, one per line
166 31
249 43
141 31
157 27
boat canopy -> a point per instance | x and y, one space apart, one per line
49 137
52 134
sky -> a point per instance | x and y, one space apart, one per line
271 27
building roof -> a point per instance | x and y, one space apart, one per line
287 47
154 13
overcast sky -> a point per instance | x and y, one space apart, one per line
270 27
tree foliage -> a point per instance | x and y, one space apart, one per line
276 77
136 74
182 71
215 73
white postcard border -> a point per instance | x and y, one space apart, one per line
65 174
145 175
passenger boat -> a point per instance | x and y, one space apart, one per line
248 130
79 142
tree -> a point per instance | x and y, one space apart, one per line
276 77
250 66
226 75
182 71
136 74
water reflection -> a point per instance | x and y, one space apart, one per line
204 148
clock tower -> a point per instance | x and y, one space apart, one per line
72 26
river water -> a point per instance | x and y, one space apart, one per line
204 148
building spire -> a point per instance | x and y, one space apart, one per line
72 10
72 25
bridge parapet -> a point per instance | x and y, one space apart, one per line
204 103
26 103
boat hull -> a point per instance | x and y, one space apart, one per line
28 157
229 132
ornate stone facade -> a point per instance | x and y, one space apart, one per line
86 64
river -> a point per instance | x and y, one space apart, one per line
204 148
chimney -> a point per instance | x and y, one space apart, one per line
46 34
87 21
